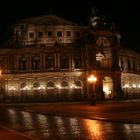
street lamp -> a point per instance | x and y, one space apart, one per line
126 86
92 79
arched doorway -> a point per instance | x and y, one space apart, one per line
108 87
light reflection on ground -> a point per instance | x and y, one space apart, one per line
57 127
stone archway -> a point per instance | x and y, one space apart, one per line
108 87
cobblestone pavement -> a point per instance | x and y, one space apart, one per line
13 135
118 111
127 111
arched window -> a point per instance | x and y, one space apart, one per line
36 85
78 62
35 63
23 85
50 85
64 84
78 84
23 63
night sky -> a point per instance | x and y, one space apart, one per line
125 14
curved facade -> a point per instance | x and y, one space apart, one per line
50 59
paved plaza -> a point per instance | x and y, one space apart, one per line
127 111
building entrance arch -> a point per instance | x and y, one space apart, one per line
108 87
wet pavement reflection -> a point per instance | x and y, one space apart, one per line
46 127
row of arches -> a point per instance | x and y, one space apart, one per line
51 84
49 91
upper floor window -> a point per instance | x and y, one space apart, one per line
23 63
35 63
49 33
77 34
59 33
78 61
121 64
31 35
40 34
64 62
49 62
68 33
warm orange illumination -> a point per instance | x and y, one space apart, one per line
0 72
92 78
94 129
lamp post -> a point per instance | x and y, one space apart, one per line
92 79
12 91
126 86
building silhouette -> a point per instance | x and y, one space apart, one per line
49 58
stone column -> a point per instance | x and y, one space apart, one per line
118 94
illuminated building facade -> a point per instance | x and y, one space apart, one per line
49 59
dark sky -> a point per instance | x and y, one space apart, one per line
125 14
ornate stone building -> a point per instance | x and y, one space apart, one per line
50 59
